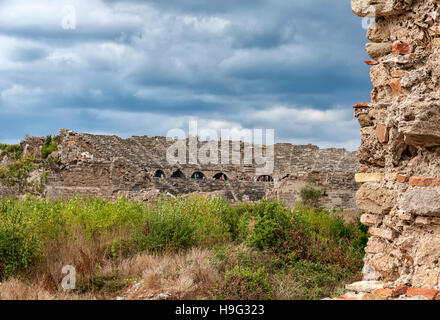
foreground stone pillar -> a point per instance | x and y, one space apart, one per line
400 148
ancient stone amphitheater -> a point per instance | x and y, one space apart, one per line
137 167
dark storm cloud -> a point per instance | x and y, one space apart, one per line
134 67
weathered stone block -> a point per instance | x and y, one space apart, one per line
382 233
374 200
378 8
375 245
419 122
379 76
368 177
421 201
365 286
422 220
377 50
370 219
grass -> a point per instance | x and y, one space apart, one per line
196 247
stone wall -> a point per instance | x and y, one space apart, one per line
400 148
109 166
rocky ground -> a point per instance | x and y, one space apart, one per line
378 290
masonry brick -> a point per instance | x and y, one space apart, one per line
431 294
382 133
424 182
361 105
395 86
401 48
383 292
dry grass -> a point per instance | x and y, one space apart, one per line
184 275
14 289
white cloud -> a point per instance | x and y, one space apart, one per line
148 66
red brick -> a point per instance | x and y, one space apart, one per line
431 294
363 170
401 48
400 178
395 86
383 292
382 133
371 62
424 182
399 290
361 105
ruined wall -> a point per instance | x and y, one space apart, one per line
109 166
400 148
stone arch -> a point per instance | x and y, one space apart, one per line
159 174
198 175
178 175
265 178
220 176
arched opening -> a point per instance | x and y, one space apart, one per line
159 174
265 178
220 176
178 175
198 176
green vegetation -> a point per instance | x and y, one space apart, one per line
17 174
310 195
49 146
15 150
261 251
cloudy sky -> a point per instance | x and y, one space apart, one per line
145 67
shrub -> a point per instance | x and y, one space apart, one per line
313 280
166 232
236 220
15 149
17 174
19 247
244 284
272 223
310 195
49 146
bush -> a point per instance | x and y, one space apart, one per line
182 223
236 220
313 280
17 174
15 149
49 146
310 195
19 247
244 284
166 231
272 223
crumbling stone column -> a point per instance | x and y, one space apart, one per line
400 148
